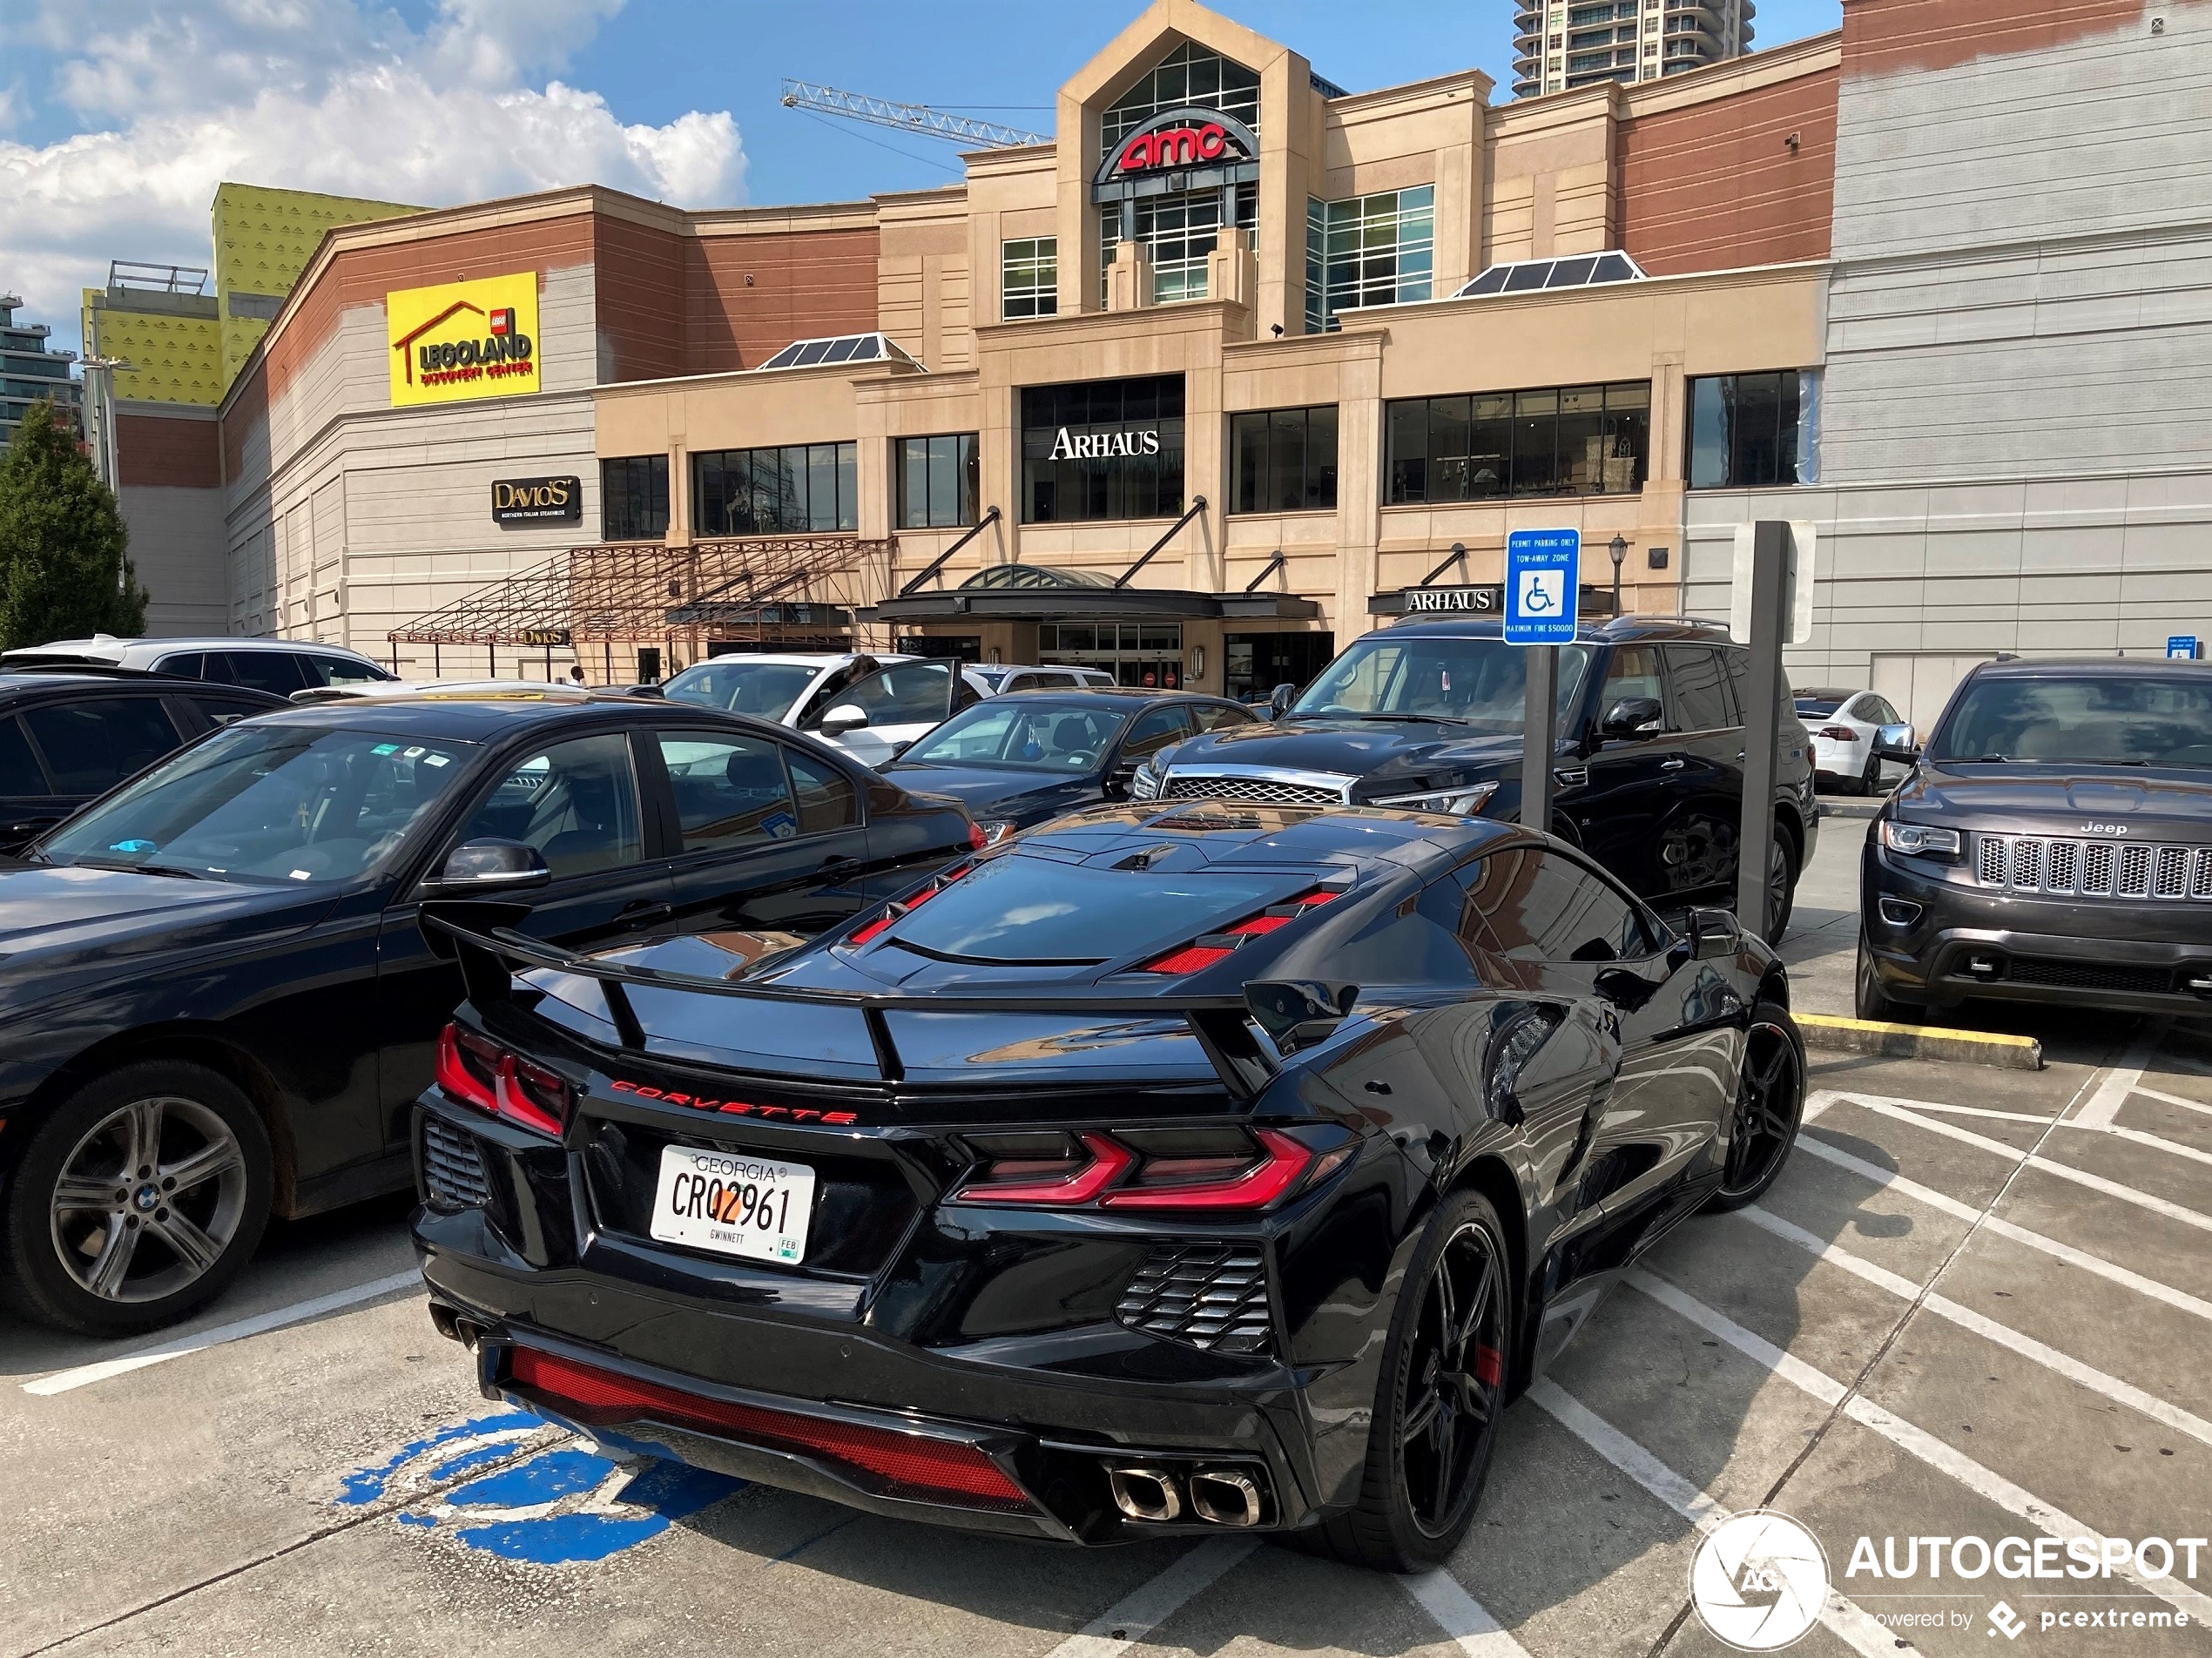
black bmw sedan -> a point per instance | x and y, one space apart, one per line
1021 759
1171 1169
217 1001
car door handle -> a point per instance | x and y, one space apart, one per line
643 912
1672 766
839 861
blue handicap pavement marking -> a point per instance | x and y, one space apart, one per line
563 1505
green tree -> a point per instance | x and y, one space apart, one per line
63 571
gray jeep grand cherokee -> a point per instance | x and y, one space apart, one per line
2053 844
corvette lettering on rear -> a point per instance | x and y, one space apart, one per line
734 1107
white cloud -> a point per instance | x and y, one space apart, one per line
329 95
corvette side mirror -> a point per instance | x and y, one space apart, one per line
1296 1013
1715 935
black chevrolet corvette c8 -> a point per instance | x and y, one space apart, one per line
1172 1168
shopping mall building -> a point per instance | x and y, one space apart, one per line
1242 364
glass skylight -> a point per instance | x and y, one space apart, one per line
848 347
1580 271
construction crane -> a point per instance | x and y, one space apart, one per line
906 118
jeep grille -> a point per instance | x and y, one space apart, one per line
2117 869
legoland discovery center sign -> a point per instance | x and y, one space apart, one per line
462 341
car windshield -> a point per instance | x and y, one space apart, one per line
2081 719
269 803
1481 681
767 689
1818 707
1022 734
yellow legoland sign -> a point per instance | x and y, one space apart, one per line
462 341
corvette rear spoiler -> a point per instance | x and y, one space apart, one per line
1226 1028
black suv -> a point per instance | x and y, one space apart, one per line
70 734
1428 715
2054 844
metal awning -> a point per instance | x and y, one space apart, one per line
1089 604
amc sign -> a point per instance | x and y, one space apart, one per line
1178 146
522 501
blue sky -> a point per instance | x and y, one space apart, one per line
118 117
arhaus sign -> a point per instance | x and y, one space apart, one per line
1099 446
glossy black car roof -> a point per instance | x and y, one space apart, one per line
479 718
1626 629
1374 838
2114 667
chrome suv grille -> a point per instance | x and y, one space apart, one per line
1210 1295
2121 869
453 1169
1271 792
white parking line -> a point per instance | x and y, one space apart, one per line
1842 1617
1890 1179
1461 1616
1152 1603
1939 1454
2003 1335
2173 1099
2063 1170
2123 1080
2157 1143
63 1381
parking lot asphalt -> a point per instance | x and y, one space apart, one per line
1977 1304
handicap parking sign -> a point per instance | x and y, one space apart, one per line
1542 591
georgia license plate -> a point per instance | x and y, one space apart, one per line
733 1204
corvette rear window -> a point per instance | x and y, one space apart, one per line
1021 908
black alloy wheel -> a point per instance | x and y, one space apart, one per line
1770 1105
1781 887
137 1199
1443 1390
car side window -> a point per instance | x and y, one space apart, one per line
1154 732
20 773
906 693
1544 908
186 664
338 671
1213 716
1634 671
730 791
1699 683
576 802
221 711
92 745
1739 676
271 670
826 798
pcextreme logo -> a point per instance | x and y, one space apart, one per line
462 341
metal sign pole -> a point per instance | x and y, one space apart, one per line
1540 716
1770 630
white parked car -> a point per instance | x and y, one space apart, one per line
1842 724
278 665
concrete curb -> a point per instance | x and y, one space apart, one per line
1829 1034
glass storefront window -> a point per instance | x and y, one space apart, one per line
633 498
1179 232
1285 460
1145 654
1743 431
800 488
1030 278
936 480
1555 441
1378 249
1101 450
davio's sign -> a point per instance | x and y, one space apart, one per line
462 341
1101 446
522 501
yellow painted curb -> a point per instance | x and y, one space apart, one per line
1921 1041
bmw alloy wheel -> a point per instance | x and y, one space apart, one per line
148 1200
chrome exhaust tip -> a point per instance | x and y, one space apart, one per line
1225 1497
1146 1494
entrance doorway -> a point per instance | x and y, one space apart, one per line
1145 654
1255 664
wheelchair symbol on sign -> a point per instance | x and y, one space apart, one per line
1541 593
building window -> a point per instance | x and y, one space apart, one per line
1100 449
1563 441
1030 278
633 498
1285 460
1178 231
1743 431
1188 75
791 491
1370 250
936 480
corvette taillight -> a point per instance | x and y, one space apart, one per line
1147 1169
476 1071
1209 948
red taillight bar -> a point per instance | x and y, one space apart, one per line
461 1084
1106 1179
916 1459
509 1093
1254 1188
1109 1160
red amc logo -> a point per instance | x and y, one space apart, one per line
734 1108
1174 146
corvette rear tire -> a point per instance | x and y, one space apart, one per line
136 1201
1438 1404
1768 1109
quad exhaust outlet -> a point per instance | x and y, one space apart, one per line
1159 1496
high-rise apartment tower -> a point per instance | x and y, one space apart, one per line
1563 44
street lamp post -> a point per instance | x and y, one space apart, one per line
1619 549
99 409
